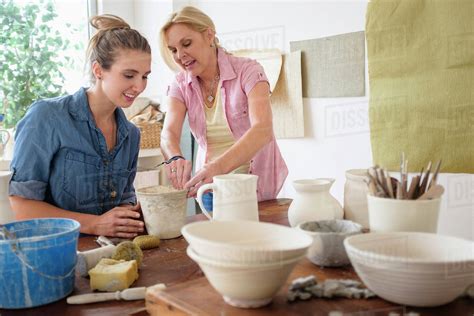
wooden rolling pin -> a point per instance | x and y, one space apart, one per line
136 293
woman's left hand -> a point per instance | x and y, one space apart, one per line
205 175
179 172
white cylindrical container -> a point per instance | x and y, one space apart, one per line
391 215
313 202
355 197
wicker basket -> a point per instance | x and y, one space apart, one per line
150 135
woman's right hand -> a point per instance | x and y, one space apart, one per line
179 172
121 221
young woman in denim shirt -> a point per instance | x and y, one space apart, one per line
227 100
76 156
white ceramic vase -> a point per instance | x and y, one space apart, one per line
355 197
313 202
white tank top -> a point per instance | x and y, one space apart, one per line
219 136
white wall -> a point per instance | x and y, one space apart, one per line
122 8
150 15
146 16
336 129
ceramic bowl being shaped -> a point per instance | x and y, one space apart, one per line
245 241
327 249
409 268
164 210
245 285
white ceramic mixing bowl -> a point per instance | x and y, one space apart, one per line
417 269
245 241
245 285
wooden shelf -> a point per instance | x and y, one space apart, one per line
151 152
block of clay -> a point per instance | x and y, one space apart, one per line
113 275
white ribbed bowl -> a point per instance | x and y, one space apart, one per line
245 241
245 285
417 269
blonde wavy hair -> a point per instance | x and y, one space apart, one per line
191 17
113 35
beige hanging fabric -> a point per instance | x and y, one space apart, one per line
284 75
270 59
421 78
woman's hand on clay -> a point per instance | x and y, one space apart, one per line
204 175
179 172
121 221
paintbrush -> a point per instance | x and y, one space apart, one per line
382 181
388 180
413 191
424 182
400 184
379 190
434 178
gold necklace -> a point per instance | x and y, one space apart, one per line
210 98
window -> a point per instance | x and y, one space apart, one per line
43 47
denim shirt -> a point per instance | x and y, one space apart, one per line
239 76
61 157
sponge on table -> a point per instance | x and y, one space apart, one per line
127 250
113 275
147 241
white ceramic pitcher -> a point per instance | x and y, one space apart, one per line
235 197
4 138
313 202
6 213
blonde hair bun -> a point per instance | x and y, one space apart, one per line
107 22
113 35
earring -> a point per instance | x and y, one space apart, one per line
99 77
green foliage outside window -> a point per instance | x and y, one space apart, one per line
31 59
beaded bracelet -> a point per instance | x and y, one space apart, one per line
169 160
174 158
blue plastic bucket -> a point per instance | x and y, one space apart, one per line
37 266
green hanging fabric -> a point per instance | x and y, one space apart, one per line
421 79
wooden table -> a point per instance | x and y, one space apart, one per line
169 264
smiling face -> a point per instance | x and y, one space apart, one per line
126 78
191 50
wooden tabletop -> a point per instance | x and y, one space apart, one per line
169 264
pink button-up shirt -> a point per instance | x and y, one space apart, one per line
239 76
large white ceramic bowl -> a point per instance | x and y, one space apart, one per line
245 241
328 236
417 269
245 285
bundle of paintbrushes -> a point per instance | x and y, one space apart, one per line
421 187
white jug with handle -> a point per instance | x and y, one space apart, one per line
235 197
4 138
6 213
313 202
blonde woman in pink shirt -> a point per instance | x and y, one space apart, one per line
228 106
